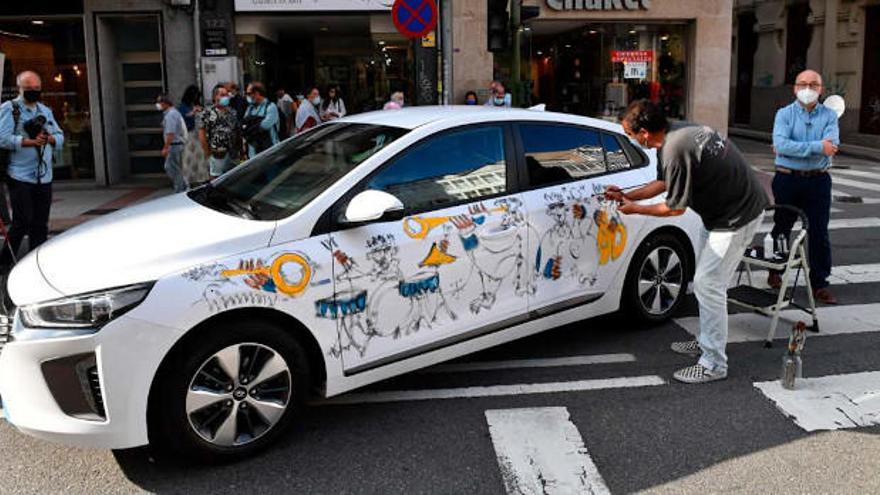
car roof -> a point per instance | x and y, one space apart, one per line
413 117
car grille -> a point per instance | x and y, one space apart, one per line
95 389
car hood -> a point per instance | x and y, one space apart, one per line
143 243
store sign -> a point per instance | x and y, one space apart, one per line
632 56
310 5
599 4
214 37
635 70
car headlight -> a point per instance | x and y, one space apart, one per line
85 311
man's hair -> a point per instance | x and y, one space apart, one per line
164 98
643 114
216 88
258 87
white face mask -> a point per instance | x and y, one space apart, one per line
159 107
808 96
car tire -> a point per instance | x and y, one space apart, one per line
199 413
655 295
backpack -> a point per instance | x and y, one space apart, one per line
6 154
282 129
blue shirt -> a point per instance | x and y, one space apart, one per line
24 163
798 136
269 122
173 123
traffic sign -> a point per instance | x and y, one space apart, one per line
414 18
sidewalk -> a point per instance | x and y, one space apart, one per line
76 203
846 149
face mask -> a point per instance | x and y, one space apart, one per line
224 101
499 101
316 100
250 100
31 95
159 107
471 102
807 96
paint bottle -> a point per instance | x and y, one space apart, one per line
792 364
768 247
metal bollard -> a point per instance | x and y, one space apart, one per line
792 364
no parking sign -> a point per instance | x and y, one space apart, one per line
414 18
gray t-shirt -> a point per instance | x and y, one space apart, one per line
172 123
707 173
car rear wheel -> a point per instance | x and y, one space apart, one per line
657 279
229 395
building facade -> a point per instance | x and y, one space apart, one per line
773 40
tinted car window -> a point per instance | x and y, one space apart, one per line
447 169
614 154
556 154
286 177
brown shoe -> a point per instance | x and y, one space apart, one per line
774 280
824 296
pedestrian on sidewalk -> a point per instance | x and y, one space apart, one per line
219 136
237 102
333 107
498 96
260 122
29 131
703 171
287 106
175 135
395 102
805 137
307 115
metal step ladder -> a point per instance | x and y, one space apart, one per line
793 264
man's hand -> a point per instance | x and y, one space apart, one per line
49 138
165 150
627 207
829 148
613 193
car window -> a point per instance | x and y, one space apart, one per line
447 169
556 154
281 180
614 154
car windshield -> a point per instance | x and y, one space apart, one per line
278 182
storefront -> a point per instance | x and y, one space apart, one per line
352 45
594 57
53 45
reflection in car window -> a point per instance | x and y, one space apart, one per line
614 154
278 182
557 154
447 169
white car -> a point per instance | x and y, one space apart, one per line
366 248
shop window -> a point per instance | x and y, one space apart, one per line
557 154
425 178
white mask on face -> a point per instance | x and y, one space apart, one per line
808 96
159 107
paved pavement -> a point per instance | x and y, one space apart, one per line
570 404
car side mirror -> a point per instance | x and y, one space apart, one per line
371 205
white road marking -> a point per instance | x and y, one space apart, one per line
495 390
837 223
840 275
540 451
856 173
858 184
829 402
833 320
531 363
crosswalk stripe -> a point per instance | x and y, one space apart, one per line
856 173
531 363
844 197
540 451
836 320
868 186
840 275
829 402
495 390
836 223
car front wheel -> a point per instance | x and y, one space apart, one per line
657 279
229 395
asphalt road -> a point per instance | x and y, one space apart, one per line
670 438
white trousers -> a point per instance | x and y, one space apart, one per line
721 253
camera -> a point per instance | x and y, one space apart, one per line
35 126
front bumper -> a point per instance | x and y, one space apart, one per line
126 353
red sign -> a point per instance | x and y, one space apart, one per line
414 18
632 55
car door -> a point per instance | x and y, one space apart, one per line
450 267
578 238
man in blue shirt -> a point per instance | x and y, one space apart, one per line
175 135
805 137
259 140
29 130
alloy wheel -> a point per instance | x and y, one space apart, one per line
660 280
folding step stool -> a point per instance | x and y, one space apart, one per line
766 302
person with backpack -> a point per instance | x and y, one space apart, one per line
30 135
260 123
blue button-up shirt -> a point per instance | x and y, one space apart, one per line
24 163
798 136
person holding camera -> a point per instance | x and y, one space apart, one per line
30 134
260 123
175 137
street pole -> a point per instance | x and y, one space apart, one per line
446 46
516 69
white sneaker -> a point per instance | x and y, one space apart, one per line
690 348
698 374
